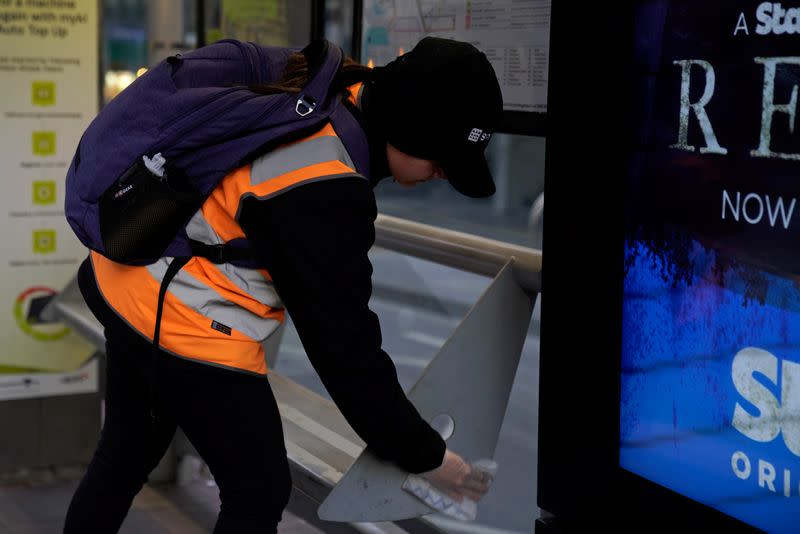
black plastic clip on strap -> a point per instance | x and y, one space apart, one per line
222 253
175 265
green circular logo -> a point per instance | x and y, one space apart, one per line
27 307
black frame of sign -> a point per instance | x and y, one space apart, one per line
581 487
358 29
512 122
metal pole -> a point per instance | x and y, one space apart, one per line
101 60
358 25
201 23
317 19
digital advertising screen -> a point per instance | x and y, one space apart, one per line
710 358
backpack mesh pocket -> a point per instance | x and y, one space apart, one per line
141 213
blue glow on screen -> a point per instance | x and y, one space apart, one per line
686 316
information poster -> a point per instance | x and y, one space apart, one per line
514 35
49 76
710 384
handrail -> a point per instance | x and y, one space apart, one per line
460 250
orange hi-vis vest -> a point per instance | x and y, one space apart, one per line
221 314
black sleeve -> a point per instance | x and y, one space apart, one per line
314 241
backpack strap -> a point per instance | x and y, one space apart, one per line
175 265
223 253
324 61
354 138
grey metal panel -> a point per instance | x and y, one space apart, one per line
22 451
299 15
305 507
49 431
469 380
272 345
70 428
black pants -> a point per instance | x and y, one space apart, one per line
231 418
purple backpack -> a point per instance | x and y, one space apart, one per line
150 158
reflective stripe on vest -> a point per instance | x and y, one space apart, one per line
325 151
321 156
198 287
220 313
132 293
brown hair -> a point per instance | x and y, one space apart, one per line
295 76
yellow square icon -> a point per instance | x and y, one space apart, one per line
44 192
43 93
44 241
44 143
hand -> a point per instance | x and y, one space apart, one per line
456 479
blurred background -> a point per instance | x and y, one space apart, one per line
419 302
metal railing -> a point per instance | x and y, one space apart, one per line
459 250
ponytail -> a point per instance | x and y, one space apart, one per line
296 75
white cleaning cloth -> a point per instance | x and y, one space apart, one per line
466 510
